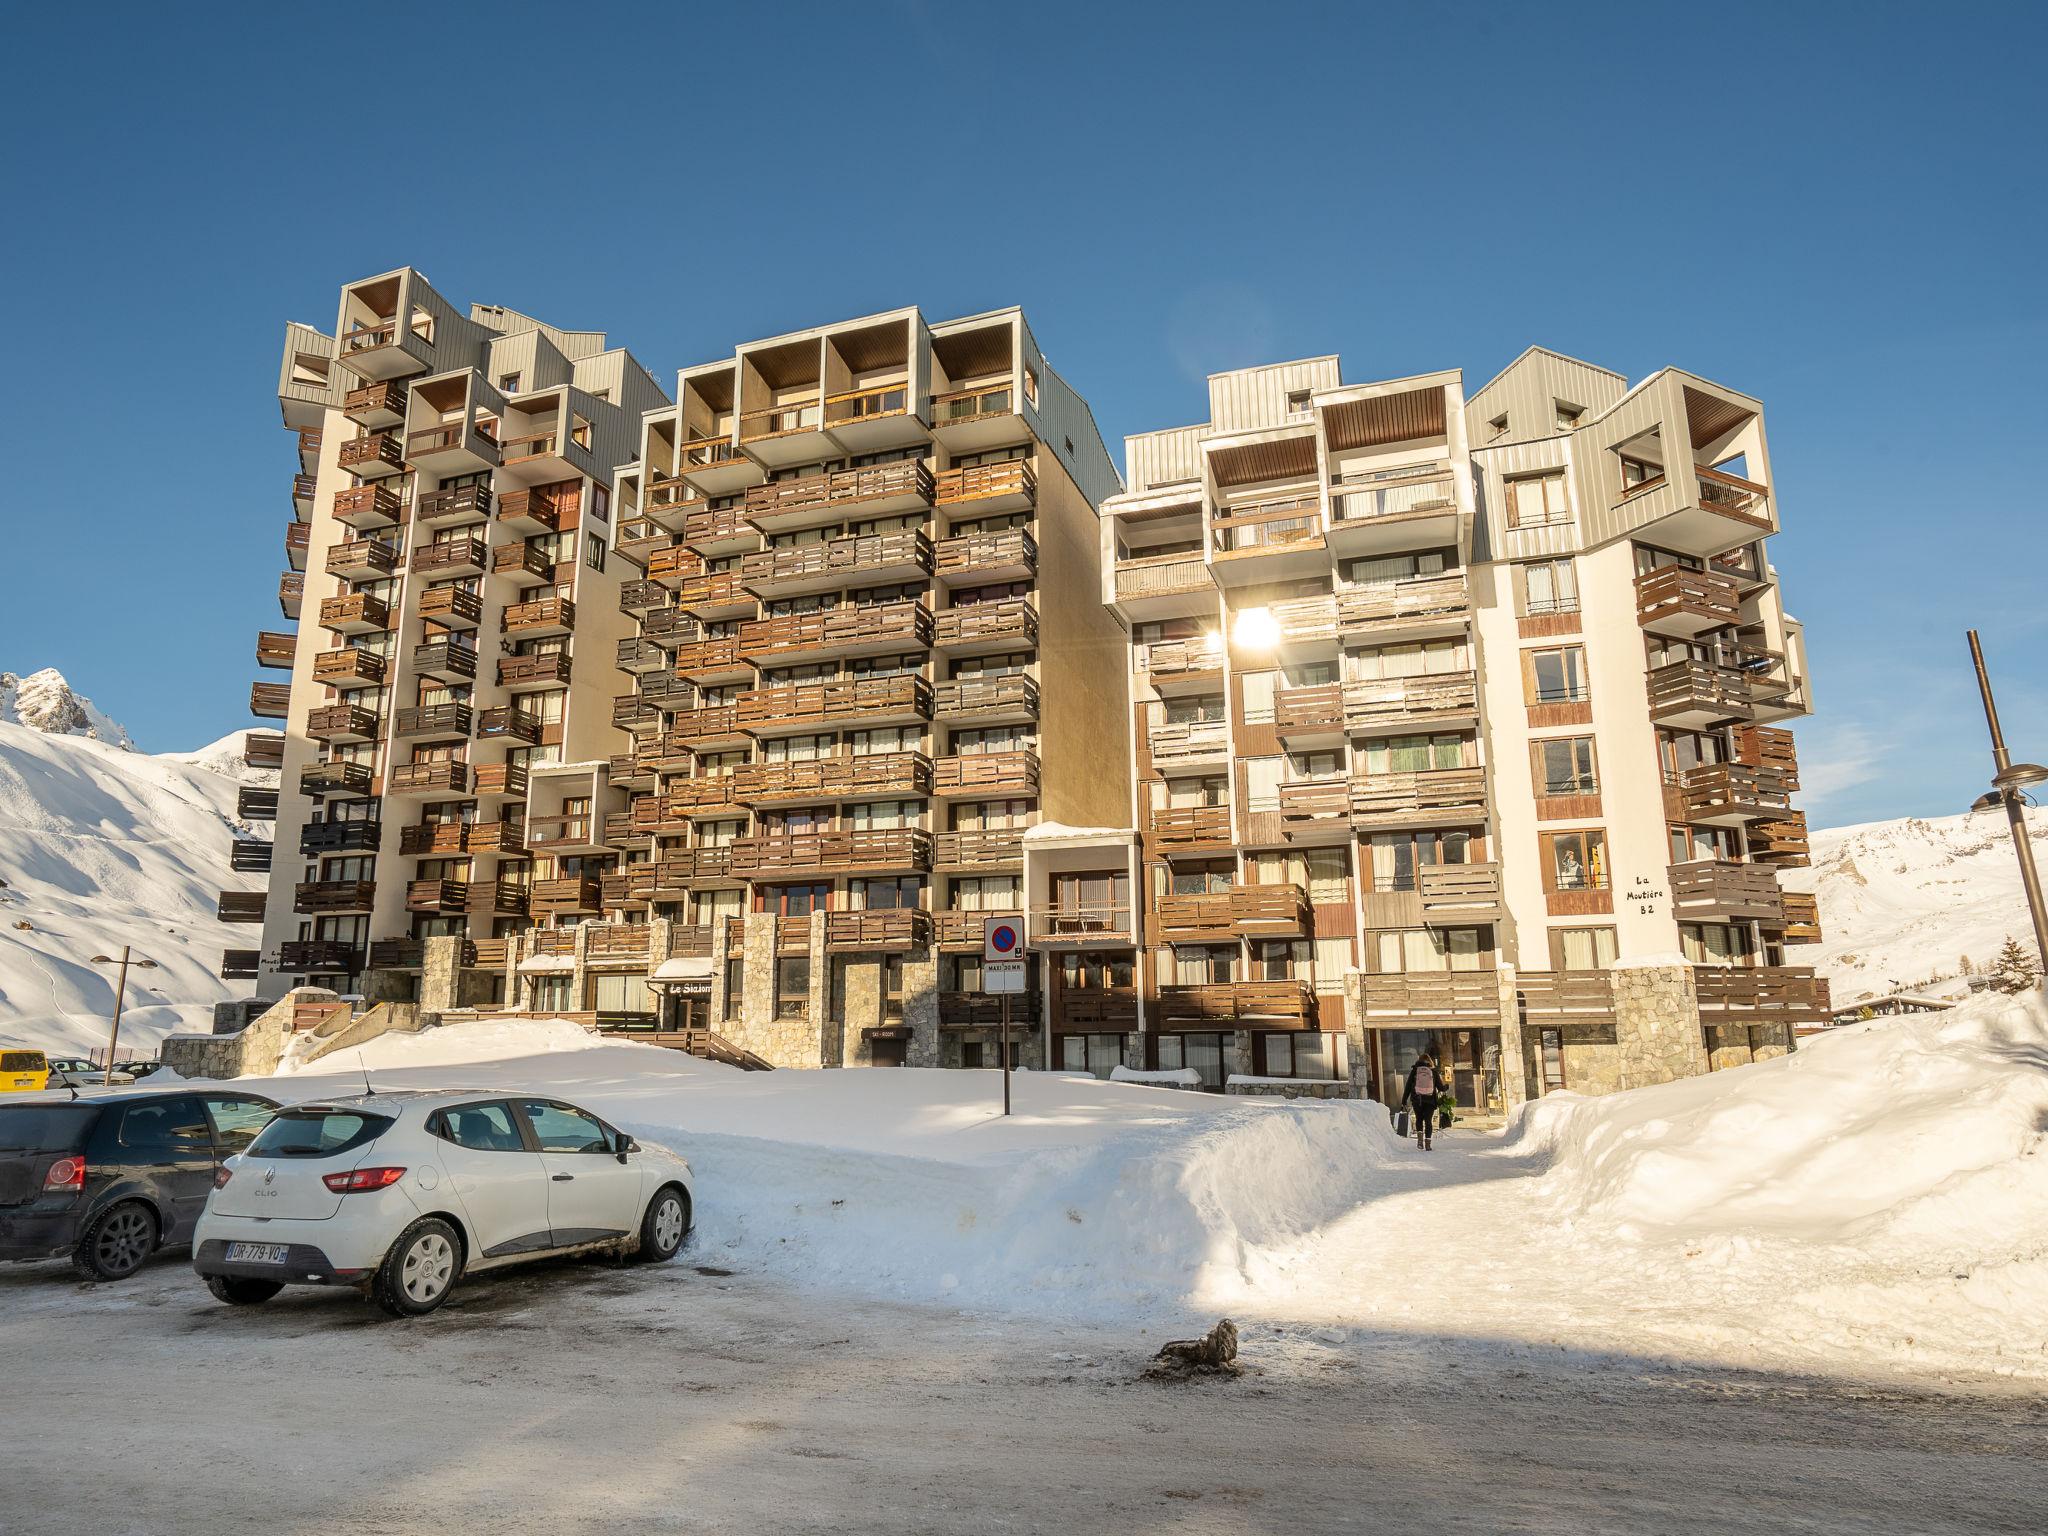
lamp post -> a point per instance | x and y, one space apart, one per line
2007 788
120 990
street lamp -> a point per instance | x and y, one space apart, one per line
120 987
2008 788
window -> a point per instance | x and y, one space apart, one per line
1714 943
1300 1053
1333 959
423 325
1262 782
735 986
1432 949
1258 697
792 986
887 895
166 1128
1497 428
551 994
1550 1047
1099 1054
309 368
1550 586
1197 965
892 988
559 1128
795 900
1398 856
1415 754
1564 766
317 1133
1535 501
236 1121
1581 949
479 1127
1202 1053
1555 676
508 383
1031 391
621 992
1575 861
1568 415
1297 402
593 553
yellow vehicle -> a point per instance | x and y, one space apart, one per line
23 1071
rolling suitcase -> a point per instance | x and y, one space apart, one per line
1401 1124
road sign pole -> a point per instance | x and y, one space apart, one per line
1006 1053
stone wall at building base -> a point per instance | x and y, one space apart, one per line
1657 1031
1290 1088
1027 1048
253 1050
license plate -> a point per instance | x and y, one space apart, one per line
256 1253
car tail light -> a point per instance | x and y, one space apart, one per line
358 1180
66 1176
221 1175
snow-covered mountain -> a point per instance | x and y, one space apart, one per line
1910 902
44 702
100 846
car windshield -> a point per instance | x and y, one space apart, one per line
317 1132
44 1127
21 1061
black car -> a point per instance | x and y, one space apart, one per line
110 1179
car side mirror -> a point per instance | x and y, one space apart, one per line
626 1144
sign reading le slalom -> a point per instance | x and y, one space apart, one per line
1002 955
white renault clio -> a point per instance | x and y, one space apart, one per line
403 1193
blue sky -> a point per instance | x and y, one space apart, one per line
1838 209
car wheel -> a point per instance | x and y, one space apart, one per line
241 1293
664 1227
420 1270
116 1241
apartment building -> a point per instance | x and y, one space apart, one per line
1452 728
454 585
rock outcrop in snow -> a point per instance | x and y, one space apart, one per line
44 702
1913 903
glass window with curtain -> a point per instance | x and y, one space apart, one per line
1564 766
1575 861
792 986
1550 586
1258 697
1534 501
623 992
1329 875
1262 777
1333 959
1583 949
1557 676
1197 965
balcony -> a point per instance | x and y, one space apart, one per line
564 832
984 1010
1188 743
713 465
303 489
508 722
1238 1004
433 722
1004 699
883 629
531 672
462 504
498 780
1717 890
275 648
547 455
711 726
321 955
617 941
362 560
978 559
298 542
1694 695
335 779
1241 912
341 722
1071 925
711 531
791 709
1188 827
1314 713
255 802
977 849
879 490
1162 583
1436 795
986 490
787 432
642 597
263 749
1760 995
714 595
957 930
576 896
452 448
383 349
449 661
867 560
864 851
1412 506
1316 808
501 837
1382 705
291 593
318 837
723 795
397 954
452 557
1781 841
985 628
248 856
1182 666
1268 540
542 616
878 416
1432 1000
666 691
1112 1010
1802 917
1671 600
987 776
311 897
537 509
436 896
242 906
1417 607
349 668
1763 746
372 456
356 614
1456 893
240 964
878 776
368 506
892 928
439 778
1728 794
712 661
983 416
451 607
427 838
375 405
522 562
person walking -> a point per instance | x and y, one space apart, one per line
1420 1095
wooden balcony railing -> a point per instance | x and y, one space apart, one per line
1370 704
256 802
865 700
444 720
355 611
507 836
1260 527
984 1010
903 625
971 404
372 453
979 848
451 605
242 906
240 964
1075 923
508 722
385 398
1782 840
706 452
325 955
291 592
954 929
1449 890
1253 1003
541 505
630 712
1011 554
1189 741
367 506
1009 623
1433 999
1394 604
246 855
1399 492
263 749
318 837
779 420
313 896
1718 890
334 779
907 479
548 668
275 648
1802 917
453 557
825 778
564 897
1309 803
779 855
862 560
1785 995
1192 826
449 775
545 615
1694 692
982 482
562 829
1732 496
1315 710
987 775
1012 696
521 559
439 896
1242 911
433 837
1566 997
893 928
362 558
1733 792
713 593
715 525
449 659
617 941
1393 796
1765 746
534 445
501 779
1161 576
1670 597
870 404
461 503
348 668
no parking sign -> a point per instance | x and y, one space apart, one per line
1002 955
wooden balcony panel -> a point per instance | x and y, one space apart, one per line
640 596
713 795
1008 555
449 660
538 506
707 727
567 831
1398 494
1673 600
1195 826
981 402
542 616
861 701
341 722
552 941
348 668
906 482
317 896
1308 804
304 488
334 779
707 661
669 626
1168 576
461 556
275 648
1802 917
895 928
1384 798
318 955
871 559
1752 995
1170 662
1243 911
979 848
716 594
633 654
255 802
1376 705
1189 741
460 504
263 749
1011 624
508 722
368 506
381 404
1733 496
544 671
507 836
564 898
1781 840
1764 746
1733 792
715 528
984 1010
986 775
355 613
956 930
452 607
521 560
665 690
371 455
617 941
318 837
437 896
501 779
433 722
1008 699
362 559
1371 612
630 887
242 906
1092 1010
1566 997
1010 481
428 838
1304 620
241 964
876 776
291 593
786 855
1432 999
1254 1004
1718 890
1317 710
900 626
448 776
1453 891
1072 925
1264 527
1697 695
490 954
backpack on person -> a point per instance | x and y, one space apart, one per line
1425 1080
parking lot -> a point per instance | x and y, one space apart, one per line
588 1396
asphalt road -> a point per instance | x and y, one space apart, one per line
581 1397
